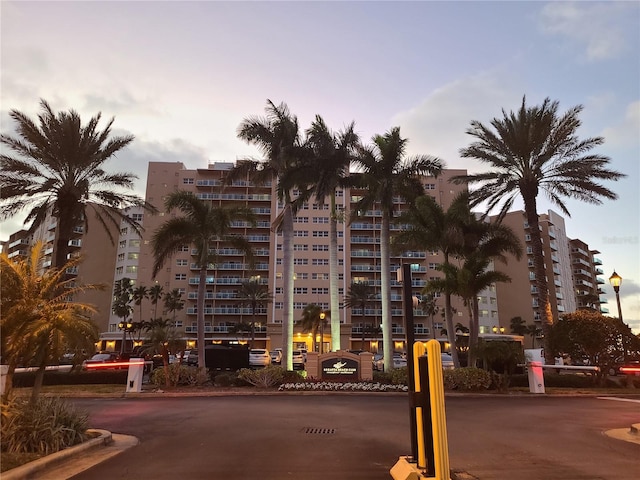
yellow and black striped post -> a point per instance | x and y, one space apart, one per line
431 425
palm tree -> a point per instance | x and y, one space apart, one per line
59 169
155 294
121 306
163 339
387 173
204 225
531 150
430 307
360 295
433 228
253 294
277 137
139 294
327 166
312 321
173 302
37 320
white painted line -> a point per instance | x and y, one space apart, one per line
619 399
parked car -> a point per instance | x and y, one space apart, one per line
398 361
299 357
192 359
377 359
259 357
276 356
447 361
106 360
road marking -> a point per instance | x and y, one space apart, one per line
619 399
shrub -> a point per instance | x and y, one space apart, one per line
266 377
400 376
382 377
293 376
180 375
466 378
44 427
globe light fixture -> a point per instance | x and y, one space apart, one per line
616 281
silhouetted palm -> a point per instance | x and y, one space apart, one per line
59 169
326 169
536 149
202 224
277 137
359 296
387 173
255 295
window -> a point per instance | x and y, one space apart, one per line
133 255
181 262
178 324
184 248
124 231
120 270
432 266
320 291
180 276
132 268
301 220
137 217
319 276
120 257
321 233
122 244
300 290
187 181
278 290
298 248
301 261
321 248
320 219
429 186
302 276
300 233
134 243
320 261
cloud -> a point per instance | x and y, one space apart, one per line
626 132
594 27
438 124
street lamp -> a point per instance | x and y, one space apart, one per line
125 327
616 281
322 317
498 329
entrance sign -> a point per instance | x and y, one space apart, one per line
339 369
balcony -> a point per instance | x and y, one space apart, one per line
600 281
597 261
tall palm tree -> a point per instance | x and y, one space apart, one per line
537 149
253 294
360 295
431 308
204 225
173 302
58 168
37 320
121 306
325 169
139 294
278 139
387 173
311 321
155 294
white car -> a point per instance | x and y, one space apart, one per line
299 358
259 357
276 356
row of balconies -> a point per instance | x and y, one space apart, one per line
227 311
221 329
231 266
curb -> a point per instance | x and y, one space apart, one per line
31 469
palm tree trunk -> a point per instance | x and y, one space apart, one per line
448 317
64 231
473 332
287 261
544 306
202 288
8 379
333 276
362 347
385 289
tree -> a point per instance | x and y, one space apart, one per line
37 320
430 227
121 306
589 336
58 168
204 225
325 169
387 173
155 294
528 151
277 137
173 302
311 321
139 294
360 295
254 295
163 339
430 307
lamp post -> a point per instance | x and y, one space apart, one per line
498 330
322 317
125 326
616 281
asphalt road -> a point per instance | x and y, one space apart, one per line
362 436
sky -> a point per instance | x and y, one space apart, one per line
181 77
